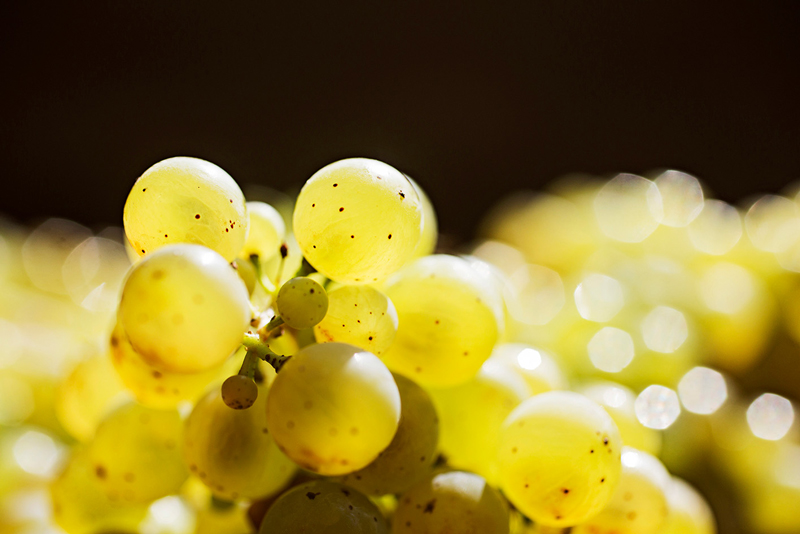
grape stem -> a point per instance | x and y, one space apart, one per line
262 280
249 365
254 345
274 323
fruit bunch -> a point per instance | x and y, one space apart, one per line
311 365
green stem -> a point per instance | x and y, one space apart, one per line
254 345
249 365
274 323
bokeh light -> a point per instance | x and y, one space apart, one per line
664 329
628 208
657 407
773 223
717 229
702 390
611 349
598 298
770 416
682 195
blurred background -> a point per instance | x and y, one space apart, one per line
475 101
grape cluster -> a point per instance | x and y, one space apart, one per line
316 367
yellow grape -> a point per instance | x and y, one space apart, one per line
449 318
559 458
639 504
184 309
451 502
689 512
323 507
302 302
539 370
361 316
472 413
84 397
232 452
135 453
358 220
186 200
333 408
412 452
430 226
267 231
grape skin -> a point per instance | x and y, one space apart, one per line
184 309
333 408
267 231
239 392
430 226
323 507
302 302
689 512
186 200
358 220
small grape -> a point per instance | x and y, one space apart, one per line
239 392
302 302
267 231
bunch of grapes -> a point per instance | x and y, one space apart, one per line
315 367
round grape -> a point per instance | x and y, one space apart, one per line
239 392
267 231
302 302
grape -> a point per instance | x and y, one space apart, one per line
239 392
451 502
184 309
232 452
410 455
302 302
639 504
361 316
80 506
323 507
186 200
333 408
559 458
536 367
689 513
472 413
430 227
135 456
358 220
449 320
267 231
156 388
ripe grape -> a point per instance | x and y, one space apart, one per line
323 507
135 456
559 458
411 454
232 452
449 320
302 302
472 413
267 231
451 502
361 316
430 226
689 512
358 220
186 200
333 408
239 392
184 309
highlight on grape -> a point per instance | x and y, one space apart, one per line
280 365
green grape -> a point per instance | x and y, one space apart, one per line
639 504
156 388
430 227
239 392
184 309
358 220
689 512
618 402
267 231
451 502
361 316
80 506
323 507
302 302
232 452
135 455
186 200
539 370
559 458
333 408
84 397
247 272
412 452
449 319
472 413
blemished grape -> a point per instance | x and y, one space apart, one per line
302 302
472 413
323 507
239 392
449 317
358 220
232 452
451 502
639 504
135 454
267 231
186 200
359 315
559 458
184 309
689 512
412 452
333 408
